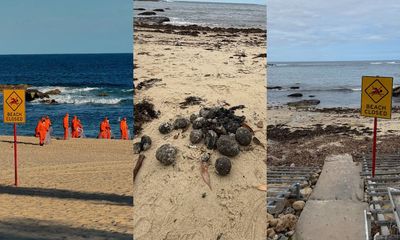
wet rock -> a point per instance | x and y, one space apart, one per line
49 101
137 148
53 92
153 20
165 128
311 96
227 146
145 141
396 92
199 123
140 9
193 117
158 10
275 87
210 139
148 13
223 166
295 87
243 136
181 123
205 157
196 136
103 94
33 94
304 103
298 205
166 154
295 95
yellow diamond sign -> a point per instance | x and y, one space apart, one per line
14 106
376 97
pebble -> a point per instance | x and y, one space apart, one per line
210 139
223 166
298 205
165 128
205 157
271 233
243 136
166 154
260 124
196 136
306 192
227 146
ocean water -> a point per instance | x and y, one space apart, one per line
209 14
335 84
82 78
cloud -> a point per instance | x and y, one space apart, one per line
312 24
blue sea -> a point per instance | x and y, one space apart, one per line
335 84
212 14
92 86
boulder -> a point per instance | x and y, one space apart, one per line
33 94
295 95
148 13
158 10
304 103
53 92
275 87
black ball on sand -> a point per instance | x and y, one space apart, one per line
166 154
199 122
193 117
165 128
223 166
196 136
228 146
145 141
243 136
181 123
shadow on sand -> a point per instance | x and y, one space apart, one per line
67 194
33 229
24 143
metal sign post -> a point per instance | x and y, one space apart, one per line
376 102
14 112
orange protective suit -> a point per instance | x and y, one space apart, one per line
103 129
108 131
42 131
75 123
47 122
123 127
66 126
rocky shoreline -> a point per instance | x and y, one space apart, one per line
32 94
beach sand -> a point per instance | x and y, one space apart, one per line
75 189
173 202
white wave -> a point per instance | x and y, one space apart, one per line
375 63
281 64
178 21
68 99
65 90
392 62
127 90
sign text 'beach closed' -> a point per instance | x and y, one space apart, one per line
376 97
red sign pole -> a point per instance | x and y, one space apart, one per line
374 148
15 156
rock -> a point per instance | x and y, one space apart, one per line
145 141
48 101
396 92
199 122
165 128
304 103
205 157
210 139
53 92
103 94
306 192
269 217
243 136
151 20
276 87
140 9
282 237
260 124
166 154
273 222
289 210
158 10
33 94
311 96
223 166
196 136
181 123
294 87
193 117
227 146
286 222
298 205
271 233
295 95
148 13
137 148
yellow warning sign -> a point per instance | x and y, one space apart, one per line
14 106
376 97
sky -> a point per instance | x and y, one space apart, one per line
340 30
69 26
263 2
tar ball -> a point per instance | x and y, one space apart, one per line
228 146
196 136
165 128
243 136
223 166
181 123
166 154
